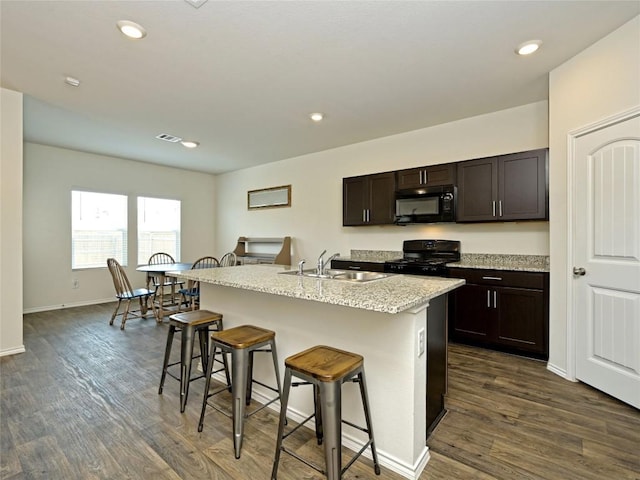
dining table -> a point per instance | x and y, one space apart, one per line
161 270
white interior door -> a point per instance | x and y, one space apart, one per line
606 258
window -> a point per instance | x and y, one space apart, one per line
158 228
98 229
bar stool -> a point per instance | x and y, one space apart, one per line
326 368
241 342
189 323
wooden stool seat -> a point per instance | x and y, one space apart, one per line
326 364
194 318
189 323
244 336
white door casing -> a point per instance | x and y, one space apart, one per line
605 242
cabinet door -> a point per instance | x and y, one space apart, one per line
522 186
430 176
410 178
444 174
472 313
381 205
519 319
477 190
355 191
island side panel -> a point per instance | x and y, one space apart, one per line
396 376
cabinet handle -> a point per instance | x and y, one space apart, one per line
488 298
421 177
492 278
500 207
493 206
426 179
354 267
495 302
364 215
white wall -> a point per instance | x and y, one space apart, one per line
601 81
49 176
10 222
315 218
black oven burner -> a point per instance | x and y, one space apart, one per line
425 257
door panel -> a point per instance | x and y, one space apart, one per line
606 238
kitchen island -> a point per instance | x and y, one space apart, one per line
383 320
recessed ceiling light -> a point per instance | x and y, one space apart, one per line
527 48
316 117
131 29
74 82
190 143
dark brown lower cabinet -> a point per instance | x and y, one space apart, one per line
503 310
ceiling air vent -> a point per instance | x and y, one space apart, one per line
168 138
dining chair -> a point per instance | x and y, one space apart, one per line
191 294
228 260
162 258
124 292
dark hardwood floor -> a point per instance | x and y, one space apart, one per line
83 403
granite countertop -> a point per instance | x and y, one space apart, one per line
523 263
393 294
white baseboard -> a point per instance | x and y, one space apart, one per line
412 472
12 351
67 305
558 371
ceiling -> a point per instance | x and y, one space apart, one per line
242 77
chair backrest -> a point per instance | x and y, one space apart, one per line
160 258
228 260
120 280
206 262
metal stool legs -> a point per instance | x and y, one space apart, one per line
328 417
198 322
241 381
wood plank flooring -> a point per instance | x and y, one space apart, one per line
82 403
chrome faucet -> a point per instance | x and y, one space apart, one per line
322 265
320 268
301 267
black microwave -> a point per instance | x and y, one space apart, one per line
426 205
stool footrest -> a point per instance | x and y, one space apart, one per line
303 460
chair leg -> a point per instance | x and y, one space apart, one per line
284 400
125 314
203 337
317 408
249 389
367 415
115 312
239 374
207 383
167 354
186 355
330 398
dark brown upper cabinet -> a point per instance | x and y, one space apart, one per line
504 188
430 176
368 199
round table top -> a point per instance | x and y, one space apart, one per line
165 267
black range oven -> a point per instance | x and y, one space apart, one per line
425 257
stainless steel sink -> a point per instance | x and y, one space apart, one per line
344 275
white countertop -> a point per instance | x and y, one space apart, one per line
393 294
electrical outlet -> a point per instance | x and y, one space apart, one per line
421 342
75 283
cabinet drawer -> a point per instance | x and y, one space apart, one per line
356 265
500 278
